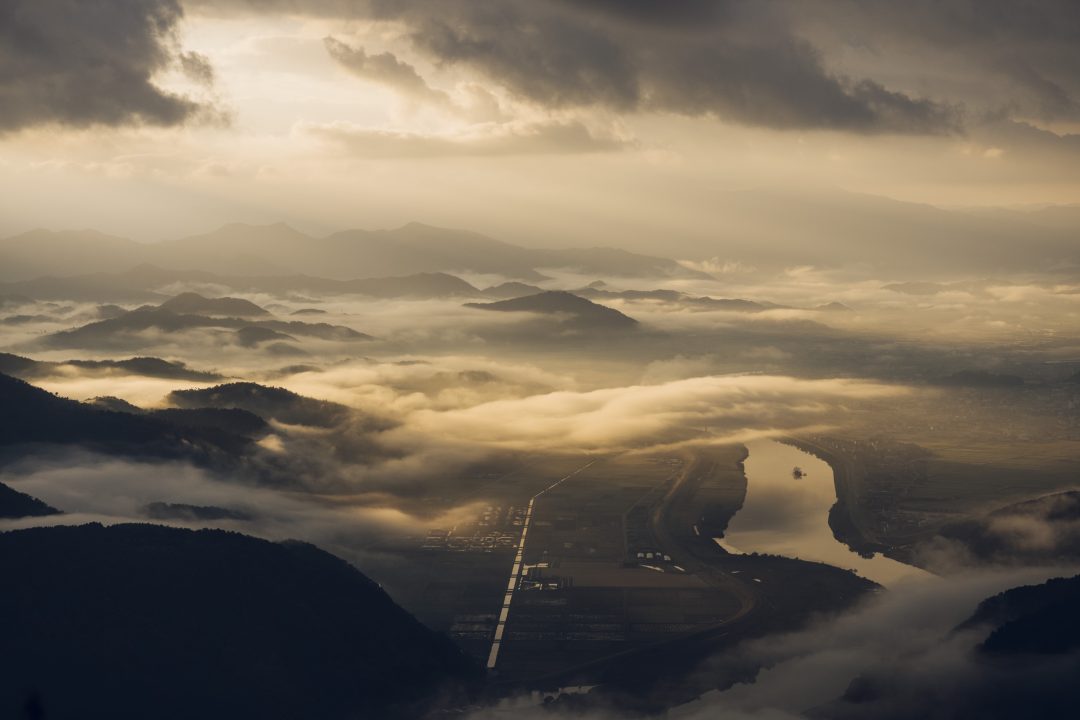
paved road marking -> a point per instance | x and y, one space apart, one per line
493 656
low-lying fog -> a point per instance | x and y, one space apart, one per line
453 385
417 402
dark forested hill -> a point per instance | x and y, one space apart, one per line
28 369
138 621
1026 667
272 403
32 415
981 541
1034 619
14 504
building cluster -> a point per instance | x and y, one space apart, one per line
496 528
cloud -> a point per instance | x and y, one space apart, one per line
197 67
851 65
907 631
1020 57
482 140
905 634
1034 141
82 64
96 488
420 424
735 62
1042 531
413 424
729 59
446 383
716 409
385 68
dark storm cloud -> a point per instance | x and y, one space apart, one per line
650 11
1025 55
86 63
781 83
731 59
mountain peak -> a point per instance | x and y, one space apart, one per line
581 312
191 303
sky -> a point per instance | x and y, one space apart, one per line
553 122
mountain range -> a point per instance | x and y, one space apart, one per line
271 403
778 227
674 296
766 227
126 329
33 416
150 284
276 250
29 369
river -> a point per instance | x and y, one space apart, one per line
783 515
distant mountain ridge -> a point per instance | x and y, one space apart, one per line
674 296
779 227
33 416
579 311
144 283
28 369
766 227
190 303
278 249
125 329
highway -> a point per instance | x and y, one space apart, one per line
515 572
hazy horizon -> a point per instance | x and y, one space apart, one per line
324 114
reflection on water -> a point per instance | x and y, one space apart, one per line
789 516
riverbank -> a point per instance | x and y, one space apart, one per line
847 523
806 516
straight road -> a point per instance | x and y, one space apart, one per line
515 572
